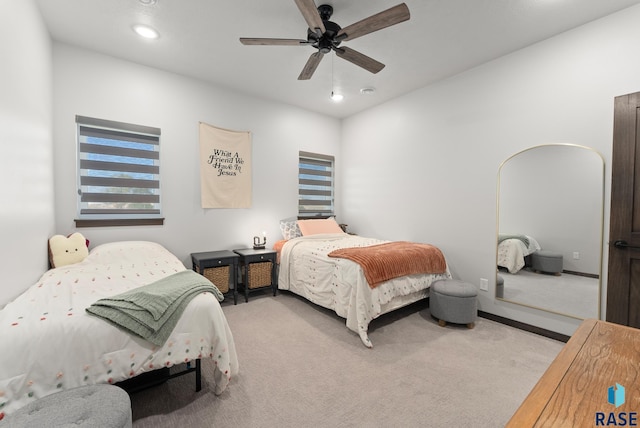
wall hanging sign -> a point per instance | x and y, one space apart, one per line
225 167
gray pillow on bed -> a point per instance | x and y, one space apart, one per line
289 227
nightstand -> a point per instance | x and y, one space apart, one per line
258 270
219 267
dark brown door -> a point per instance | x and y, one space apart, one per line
623 284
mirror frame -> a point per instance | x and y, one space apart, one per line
602 198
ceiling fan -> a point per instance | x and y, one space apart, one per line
325 35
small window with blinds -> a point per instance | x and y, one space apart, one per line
315 185
118 173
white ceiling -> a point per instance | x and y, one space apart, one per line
199 38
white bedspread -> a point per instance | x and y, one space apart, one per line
340 285
49 343
511 253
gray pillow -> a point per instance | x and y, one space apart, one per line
289 227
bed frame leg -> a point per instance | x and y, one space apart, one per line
198 375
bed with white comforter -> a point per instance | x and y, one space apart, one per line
340 285
49 342
512 250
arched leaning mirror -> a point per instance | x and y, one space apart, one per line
550 224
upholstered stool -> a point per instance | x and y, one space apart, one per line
546 261
105 406
454 301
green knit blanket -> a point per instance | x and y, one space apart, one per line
152 311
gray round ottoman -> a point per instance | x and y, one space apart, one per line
453 301
546 261
104 406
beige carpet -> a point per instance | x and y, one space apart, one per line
301 367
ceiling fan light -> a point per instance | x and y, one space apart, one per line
337 97
146 31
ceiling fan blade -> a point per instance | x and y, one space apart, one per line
376 22
310 66
272 42
310 14
359 59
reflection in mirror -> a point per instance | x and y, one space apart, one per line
550 222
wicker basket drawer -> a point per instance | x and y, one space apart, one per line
259 274
218 275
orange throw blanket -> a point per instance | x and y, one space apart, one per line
390 260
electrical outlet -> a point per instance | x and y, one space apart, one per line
484 284
576 255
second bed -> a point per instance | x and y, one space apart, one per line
340 284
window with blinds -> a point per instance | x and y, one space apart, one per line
118 171
315 185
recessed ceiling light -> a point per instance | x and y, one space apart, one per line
148 2
367 91
146 31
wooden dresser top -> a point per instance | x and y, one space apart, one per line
574 387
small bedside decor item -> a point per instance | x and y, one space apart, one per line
258 244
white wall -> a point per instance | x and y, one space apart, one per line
424 166
90 84
420 167
26 172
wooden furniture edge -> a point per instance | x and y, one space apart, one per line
532 407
